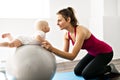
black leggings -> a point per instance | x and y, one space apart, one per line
91 67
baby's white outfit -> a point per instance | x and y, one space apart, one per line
31 39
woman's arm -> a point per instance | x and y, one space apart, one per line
66 43
80 37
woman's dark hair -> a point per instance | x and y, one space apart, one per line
69 12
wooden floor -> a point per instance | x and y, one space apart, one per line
69 66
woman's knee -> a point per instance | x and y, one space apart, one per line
77 72
87 75
84 74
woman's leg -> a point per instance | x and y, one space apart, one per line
4 44
82 64
98 66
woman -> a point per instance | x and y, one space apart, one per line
95 63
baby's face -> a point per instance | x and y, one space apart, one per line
46 29
43 27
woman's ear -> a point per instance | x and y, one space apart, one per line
69 19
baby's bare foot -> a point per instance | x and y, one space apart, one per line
6 35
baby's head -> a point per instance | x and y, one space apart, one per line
43 26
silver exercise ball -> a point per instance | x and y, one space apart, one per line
32 62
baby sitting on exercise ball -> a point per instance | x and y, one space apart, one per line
38 37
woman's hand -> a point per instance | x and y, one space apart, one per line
47 45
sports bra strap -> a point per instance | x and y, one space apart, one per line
70 36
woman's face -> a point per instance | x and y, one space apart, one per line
61 22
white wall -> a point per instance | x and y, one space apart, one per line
110 7
118 4
96 19
112 33
24 9
111 25
82 9
85 13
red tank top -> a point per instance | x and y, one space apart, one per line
93 45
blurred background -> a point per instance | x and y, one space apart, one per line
102 17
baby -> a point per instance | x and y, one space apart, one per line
38 37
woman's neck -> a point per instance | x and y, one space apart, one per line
70 29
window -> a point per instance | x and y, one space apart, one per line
24 9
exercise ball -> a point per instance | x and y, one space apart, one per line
32 62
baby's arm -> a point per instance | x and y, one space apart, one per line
40 39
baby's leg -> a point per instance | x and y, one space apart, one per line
15 43
4 44
7 35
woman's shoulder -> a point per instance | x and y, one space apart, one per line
82 27
66 34
84 30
